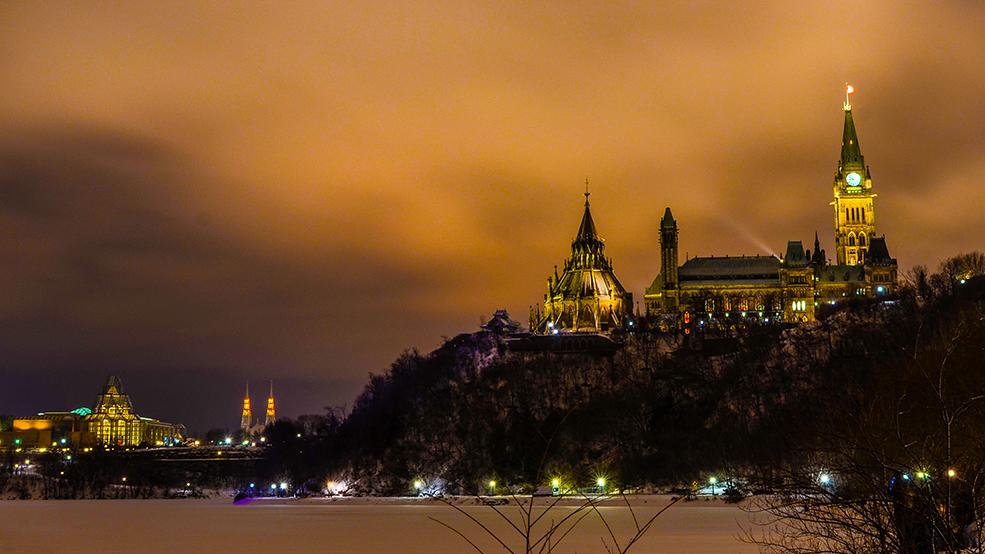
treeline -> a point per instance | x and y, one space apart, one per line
659 412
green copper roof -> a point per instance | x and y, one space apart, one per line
82 411
851 152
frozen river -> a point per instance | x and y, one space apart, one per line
346 526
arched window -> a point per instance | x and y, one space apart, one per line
851 239
863 215
861 239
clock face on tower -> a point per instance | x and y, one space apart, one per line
853 179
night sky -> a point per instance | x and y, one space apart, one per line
196 195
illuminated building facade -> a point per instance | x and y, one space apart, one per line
721 290
587 296
246 424
111 422
271 412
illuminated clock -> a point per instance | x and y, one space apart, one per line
853 179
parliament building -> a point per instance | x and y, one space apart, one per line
720 291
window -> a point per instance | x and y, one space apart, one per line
861 239
744 304
851 239
709 305
799 305
863 215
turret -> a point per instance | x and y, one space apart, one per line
668 250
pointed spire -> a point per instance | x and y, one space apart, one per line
271 415
851 152
586 231
668 221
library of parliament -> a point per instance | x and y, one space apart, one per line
724 290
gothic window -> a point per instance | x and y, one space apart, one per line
861 239
848 216
727 304
851 239
863 215
710 305
744 304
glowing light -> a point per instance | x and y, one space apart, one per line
951 473
600 482
124 479
229 440
713 480
492 484
849 89
556 483
906 476
283 486
962 282
824 478
922 475
189 484
63 441
418 484
252 485
273 486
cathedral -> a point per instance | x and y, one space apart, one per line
246 423
721 291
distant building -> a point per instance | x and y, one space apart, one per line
724 289
246 423
111 422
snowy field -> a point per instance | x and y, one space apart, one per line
340 526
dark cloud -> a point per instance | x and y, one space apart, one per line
192 195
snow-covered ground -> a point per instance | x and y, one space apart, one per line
342 526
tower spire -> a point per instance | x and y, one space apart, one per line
851 152
271 412
587 194
246 421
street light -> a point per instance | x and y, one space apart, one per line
712 481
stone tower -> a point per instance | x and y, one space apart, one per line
854 211
668 260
